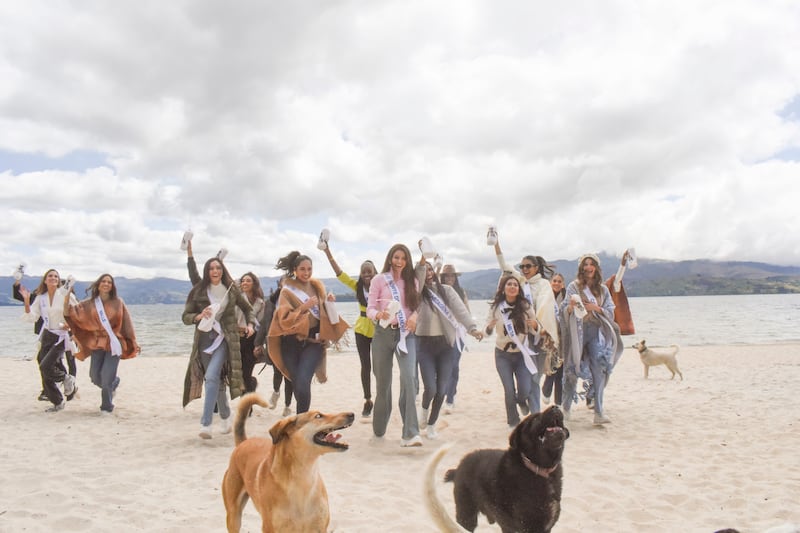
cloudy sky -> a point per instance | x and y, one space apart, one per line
572 126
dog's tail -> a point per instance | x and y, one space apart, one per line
676 348
434 505
245 404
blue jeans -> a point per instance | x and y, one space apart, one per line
452 386
535 397
510 365
103 373
384 345
215 393
301 359
435 358
594 352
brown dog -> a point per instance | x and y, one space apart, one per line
651 357
281 475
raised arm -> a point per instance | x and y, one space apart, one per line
194 274
334 265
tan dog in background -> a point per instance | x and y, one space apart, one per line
281 475
651 357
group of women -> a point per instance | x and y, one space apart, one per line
294 326
99 327
543 334
410 314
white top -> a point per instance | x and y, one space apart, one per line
55 311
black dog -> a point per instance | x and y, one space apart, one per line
519 488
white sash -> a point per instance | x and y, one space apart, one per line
116 346
590 297
216 325
401 315
303 297
526 290
522 345
44 312
448 315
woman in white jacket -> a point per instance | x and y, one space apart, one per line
535 287
54 338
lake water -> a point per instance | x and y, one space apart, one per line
683 320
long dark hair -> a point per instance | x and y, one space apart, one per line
206 281
257 291
518 308
437 288
360 296
94 289
407 274
595 282
456 285
542 268
289 262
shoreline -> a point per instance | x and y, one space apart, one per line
713 451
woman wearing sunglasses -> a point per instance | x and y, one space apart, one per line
532 277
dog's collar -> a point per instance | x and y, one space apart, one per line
641 350
538 470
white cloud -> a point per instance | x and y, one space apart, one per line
572 127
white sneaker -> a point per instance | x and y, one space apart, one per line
413 442
431 432
273 400
423 419
226 425
449 408
599 419
69 384
287 410
205 432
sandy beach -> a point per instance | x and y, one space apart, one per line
718 449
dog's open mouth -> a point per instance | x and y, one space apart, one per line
331 438
555 424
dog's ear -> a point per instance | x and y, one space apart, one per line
528 424
281 429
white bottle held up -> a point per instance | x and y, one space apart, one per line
187 237
19 271
324 235
427 249
491 236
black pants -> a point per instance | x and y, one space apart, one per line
554 382
363 344
51 365
246 348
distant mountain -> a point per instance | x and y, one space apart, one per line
653 277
